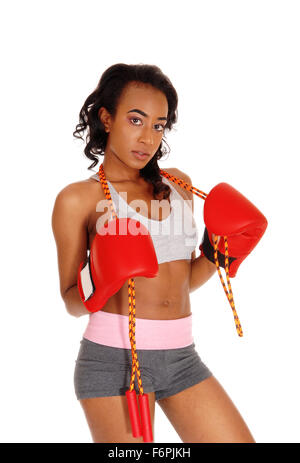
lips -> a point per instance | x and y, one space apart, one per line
141 153
138 155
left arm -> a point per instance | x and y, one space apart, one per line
201 271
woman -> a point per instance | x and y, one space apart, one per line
129 112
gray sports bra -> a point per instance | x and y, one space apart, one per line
175 237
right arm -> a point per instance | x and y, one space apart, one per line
69 225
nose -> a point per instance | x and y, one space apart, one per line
146 136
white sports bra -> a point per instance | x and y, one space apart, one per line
175 237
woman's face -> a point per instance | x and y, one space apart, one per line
132 130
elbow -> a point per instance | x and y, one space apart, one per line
69 310
73 302
68 299
75 311
68 306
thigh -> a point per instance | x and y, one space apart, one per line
204 413
108 418
101 378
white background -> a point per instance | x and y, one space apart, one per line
235 66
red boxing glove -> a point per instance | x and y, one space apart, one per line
121 249
228 213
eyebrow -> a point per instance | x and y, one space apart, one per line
144 114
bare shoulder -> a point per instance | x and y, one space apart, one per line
74 202
68 205
79 192
73 193
183 176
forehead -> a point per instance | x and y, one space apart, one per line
145 97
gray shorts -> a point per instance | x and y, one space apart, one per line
104 371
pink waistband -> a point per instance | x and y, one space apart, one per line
113 330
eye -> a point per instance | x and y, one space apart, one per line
138 119
135 119
162 127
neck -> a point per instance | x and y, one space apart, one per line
117 171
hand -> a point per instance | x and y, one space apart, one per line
234 216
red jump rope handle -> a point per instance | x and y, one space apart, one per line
134 415
146 418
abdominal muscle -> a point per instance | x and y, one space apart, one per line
164 297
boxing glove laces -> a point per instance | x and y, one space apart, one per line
121 250
240 225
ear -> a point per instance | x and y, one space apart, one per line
105 118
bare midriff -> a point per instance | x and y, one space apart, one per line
164 297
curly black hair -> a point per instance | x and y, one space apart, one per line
107 93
